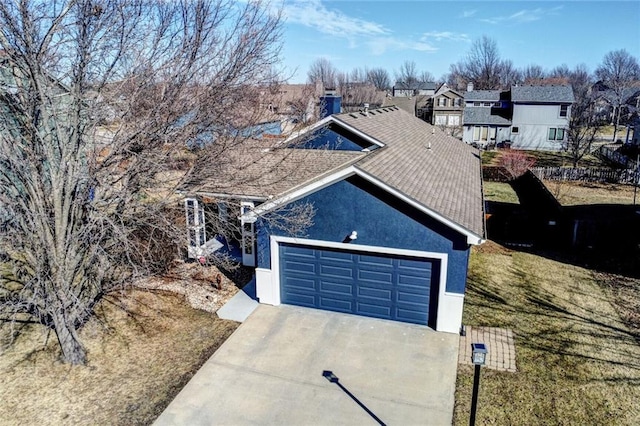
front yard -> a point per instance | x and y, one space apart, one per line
577 342
139 359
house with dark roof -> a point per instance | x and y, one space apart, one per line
526 117
487 117
405 89
397 205
445 108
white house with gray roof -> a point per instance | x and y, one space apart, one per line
526 117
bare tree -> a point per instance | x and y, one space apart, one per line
408 74
582 131
533 74
482 65
584 123
379 77
561 71
618 71
426 76
356 92
509 75
97 99
322 71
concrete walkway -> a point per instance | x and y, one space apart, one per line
241 305
270 371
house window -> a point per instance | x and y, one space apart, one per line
441 120
514 130
484 133
476 104
442 102
454 120
556 134
456 102
563 110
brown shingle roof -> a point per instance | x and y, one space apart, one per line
261 173
445 178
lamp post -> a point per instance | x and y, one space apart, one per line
478 357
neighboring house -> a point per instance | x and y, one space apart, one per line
445 108
405 103
540 117
486 117
398 205
526 117
403 89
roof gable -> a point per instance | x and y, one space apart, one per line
417 163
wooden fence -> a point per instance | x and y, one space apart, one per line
613 156
624 176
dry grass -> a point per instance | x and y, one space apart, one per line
139 359
578 361
543 159
582 193
500 192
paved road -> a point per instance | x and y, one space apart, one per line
270 371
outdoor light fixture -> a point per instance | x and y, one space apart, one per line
350 237
478 358
479 353
330 376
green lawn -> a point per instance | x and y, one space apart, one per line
578 361
500 192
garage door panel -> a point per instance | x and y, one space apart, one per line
371 310
379 277
300 266
376 285
307 300
336 271
295 283
336 305
343 289
406 315
338 256
377 293
375 261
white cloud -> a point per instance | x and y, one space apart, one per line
380 45
445 35
523 16
357 32
468 13
314 14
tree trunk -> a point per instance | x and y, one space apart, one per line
72 351
616 120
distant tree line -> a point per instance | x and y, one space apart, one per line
609 95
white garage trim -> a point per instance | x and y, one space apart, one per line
449 309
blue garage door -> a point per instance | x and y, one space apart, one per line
374 285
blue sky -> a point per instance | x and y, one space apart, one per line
435 34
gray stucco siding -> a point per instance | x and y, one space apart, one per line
381 220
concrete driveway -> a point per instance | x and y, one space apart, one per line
270 371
